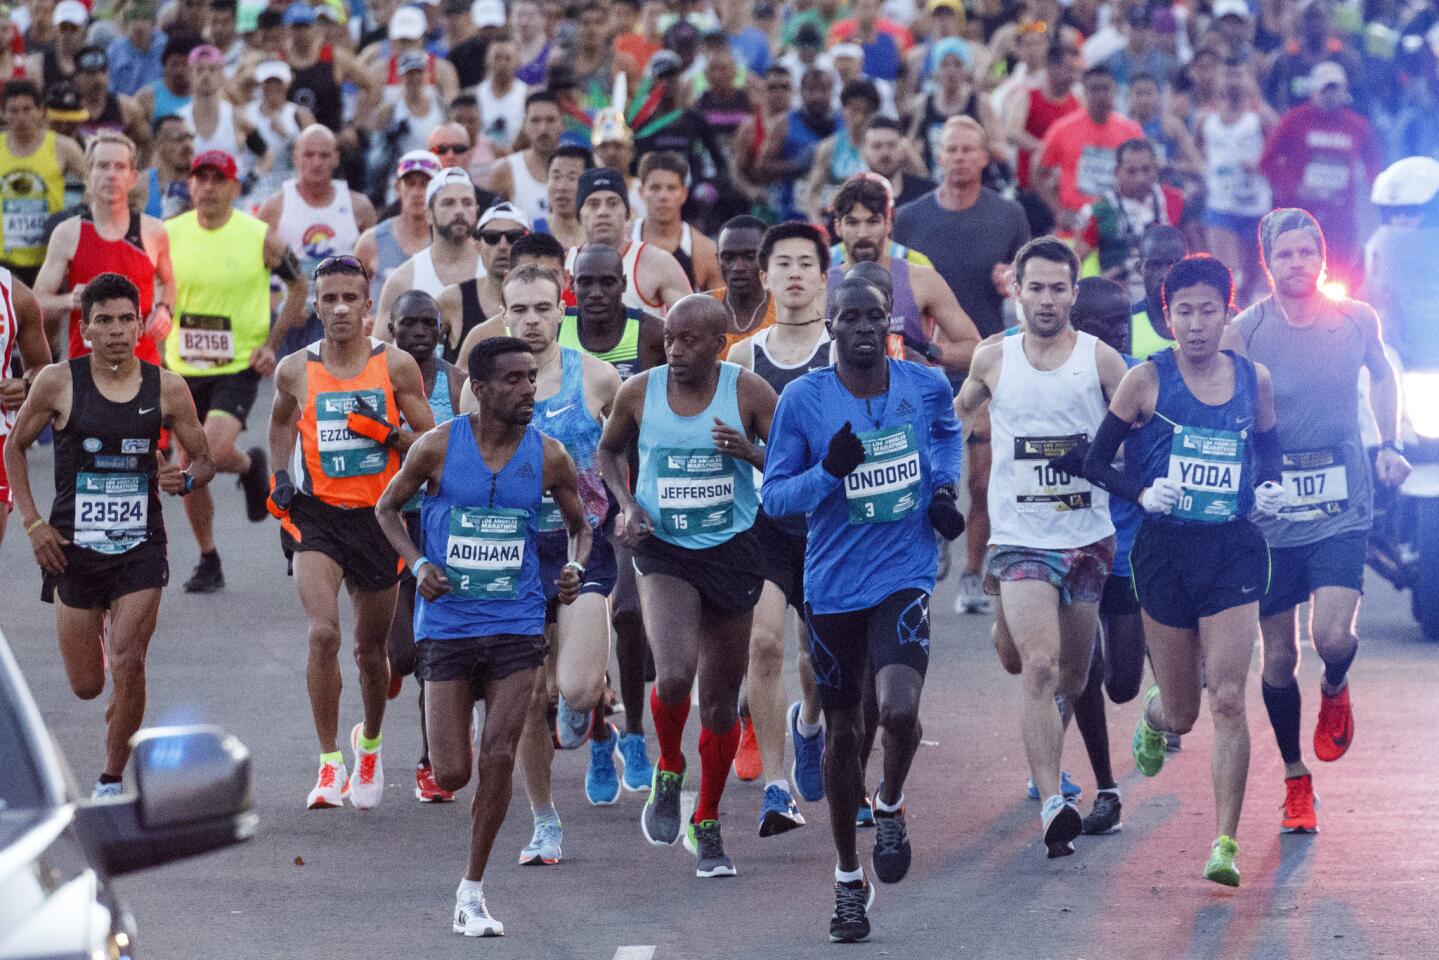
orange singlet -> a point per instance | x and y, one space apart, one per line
332 464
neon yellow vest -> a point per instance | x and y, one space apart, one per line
222 311
31 188
1143 339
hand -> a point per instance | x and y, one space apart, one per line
282 494
76 292
944 513
632 525
49 546
1391 468
569 585
1269 497
12 392
432 582
732 443
846 453
157 328
1002 276
365 421
1161 496
262 360
1072 462
171 477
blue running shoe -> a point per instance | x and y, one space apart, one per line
602 780
864 816
544 846
638 769
779 812
571 726
807 774
1070 789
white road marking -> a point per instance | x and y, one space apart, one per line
634 953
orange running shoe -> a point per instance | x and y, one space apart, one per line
747 764
1335 730
1299 802
427 790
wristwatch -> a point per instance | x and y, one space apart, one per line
576 566
1391 445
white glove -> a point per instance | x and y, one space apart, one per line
1269 497
1161 496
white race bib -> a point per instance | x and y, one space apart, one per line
1317 484
1041 487
111 511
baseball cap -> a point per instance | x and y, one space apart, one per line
950 46
448 177
90 59
62 102
952 5
503 211
71 12
665 63
407 23
217 160
274 70
205 53
1326 74
299 15
410 61
852 50
488 13
599 180
1231 8
418 161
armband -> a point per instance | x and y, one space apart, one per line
418 565
288 269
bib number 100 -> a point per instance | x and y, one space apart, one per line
1048 475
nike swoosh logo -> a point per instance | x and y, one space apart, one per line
145 410
1247 590
556 413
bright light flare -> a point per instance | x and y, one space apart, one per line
1421 402
1334 289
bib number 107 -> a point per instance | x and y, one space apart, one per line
1308 484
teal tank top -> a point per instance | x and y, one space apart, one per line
565 417
443 410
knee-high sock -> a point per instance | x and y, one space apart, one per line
1282 704
669 729
717 752
1336 672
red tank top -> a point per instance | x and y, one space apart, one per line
1042 114
95 255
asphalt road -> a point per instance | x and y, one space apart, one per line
381 883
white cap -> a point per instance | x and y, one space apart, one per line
488 13
1232 8
71 11
448 177
274 70
1326 74
504 210
408 23
851 50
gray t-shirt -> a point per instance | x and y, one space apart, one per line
964 246
1315 371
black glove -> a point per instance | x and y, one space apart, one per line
846 453
1072 462
944 515
282 493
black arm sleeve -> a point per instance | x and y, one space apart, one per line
288 269
1099 462
1268 460
257 143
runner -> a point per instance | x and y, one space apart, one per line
1202 453
664 179
212 117
21 325
654 279
1051 543
34 163
793 259
222 341
479 622
520 176
103 548
1315 346
389 243
454 252
339 396
314 214
873 498
539 249
689 527
744 295
561 183
472 301
167 187
1162 247
602 323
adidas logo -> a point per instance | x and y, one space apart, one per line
527 471
906 408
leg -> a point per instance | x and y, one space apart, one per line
1093 727
630 641
221 432
1278 672
506 704
537 749
897 689
723 656
1179 673
1123 656
318 579
583 632
869 711
448 704
1227 642
810 710
79 631
1078 625
132 623
1332 614
1031 609
672 617
1004 641
843 779
374 609
764 681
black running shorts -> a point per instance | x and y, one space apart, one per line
1118 599
480 660
781 557
231 393
1183 574
92 579
725 576
554 553
1336 561
895 630
350 537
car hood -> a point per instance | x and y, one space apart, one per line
48 909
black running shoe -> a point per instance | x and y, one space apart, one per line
703 840
1104 816
891 846
850 921
208 577
256 484
1062 823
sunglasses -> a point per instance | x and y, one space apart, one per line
493 237
417 166
455 148
344 264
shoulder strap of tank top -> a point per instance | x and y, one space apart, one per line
470 303
133 232
687 241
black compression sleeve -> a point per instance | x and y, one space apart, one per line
257 143
1268 460
1099 463
288 269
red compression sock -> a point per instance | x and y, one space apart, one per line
717 752
669 729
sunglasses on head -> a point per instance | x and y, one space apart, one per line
493 237
455 148
344 264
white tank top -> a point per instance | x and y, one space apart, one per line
1035 416
419 124
630 258
1227 148
315 233
501 117
425 278
279 130
529 194
687 240
224 136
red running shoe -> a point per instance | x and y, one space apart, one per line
1335 730
747 764
427 790
1299 801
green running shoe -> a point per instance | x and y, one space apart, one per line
660 819
1148 742
1221 868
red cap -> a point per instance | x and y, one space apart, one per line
218 159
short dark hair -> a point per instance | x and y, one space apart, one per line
410 295
1194 270
107 286
1049 248
1098 70
885 123
540 96
744 222
1142 77
666 160
572 151
535 244
180 43
22 88
863 190
1058 53
1132 145
486 352
793 230
158 123
464 100
860 88
847 284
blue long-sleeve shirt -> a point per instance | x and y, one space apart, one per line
869 534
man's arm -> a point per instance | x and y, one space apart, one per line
271 210
422 464
284 264
52 277
706 263
29 333
670 283
71 157
1112 369
1390 466
136 129
938 303
562 483
285 413
364 210
157 243
409 387
652 341
976 389
813 206
366 251
40 409
602 385
795 480
946 433
621 430
178 407
397 284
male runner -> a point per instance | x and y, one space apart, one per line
664 179
317 215
1161 247
1051 542
21 325
479 622
539 249
474 300
793 260
654 279
340 395
222 341
748 302
103 548
873 498
1314 346
561 183
392 241
520 176
453 254
34 163
688 523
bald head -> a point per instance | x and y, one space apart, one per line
1101 308
451 143
694 338
317 154
699 312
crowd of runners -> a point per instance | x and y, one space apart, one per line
611 349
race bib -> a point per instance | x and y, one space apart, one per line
550 517
1236 189
1208 465
1095 173
206 340
111 511
1317 484
1040 486
485 552
695 491
1325 177
884 488
24 223
342 453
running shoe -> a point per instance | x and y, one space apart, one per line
1148 743
426 789
747 763
638 770
891 846
660 819
368 787
864 816
971 597
572 726
544 845
941 572
1172 742
472 917
1104 815
1220 867
1299 804
602 780
1335 729
1062 823
104 791
331 787
850 921
1068 787
207 576
703 840
256 484
807 772
779 813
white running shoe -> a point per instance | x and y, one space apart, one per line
331 788
472 917
105 791
367 788
971 597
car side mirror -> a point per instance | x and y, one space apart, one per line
194 795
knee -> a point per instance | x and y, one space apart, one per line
582 693
1280 664
1123 687
842 735
1334 640
325 640
899 720
496 762
672 688
1041 676
372 657
450 777
1180 718
88 688
1072 683
1226 703
127 671
766 653
719 714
